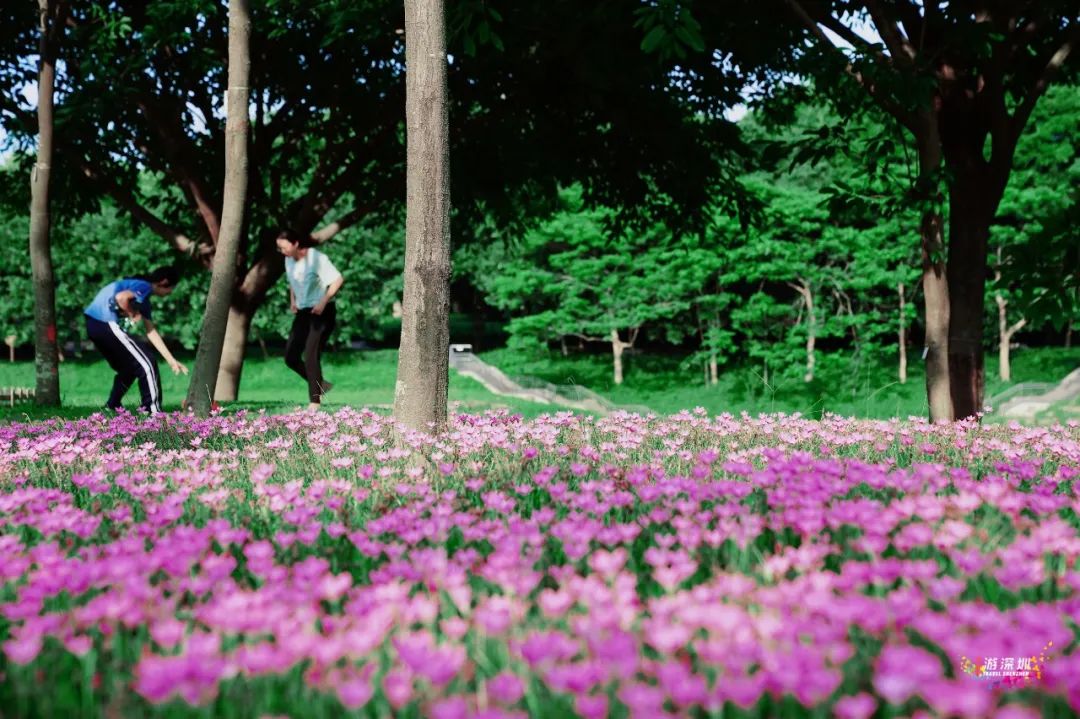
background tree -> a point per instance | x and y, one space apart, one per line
571 278
144 91
212 338
962 79
52 15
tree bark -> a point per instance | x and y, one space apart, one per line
804 289
1005 335
902 335
714 375
936 294
223 277
934 278
617 347
246 299
46 352
420 394
971 208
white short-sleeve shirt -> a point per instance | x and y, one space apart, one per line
309 277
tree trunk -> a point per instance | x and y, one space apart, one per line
562 345
970 214
617 347
420 395
934 278
936 294
714 375
811 337
245 301
1068 335
804 290
223 277
46 354
1005 335
902 333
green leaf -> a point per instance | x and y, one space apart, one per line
690 38
654 38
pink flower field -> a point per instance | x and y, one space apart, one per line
252 565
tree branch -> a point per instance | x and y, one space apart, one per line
587 338
1016 327
179 151
900 47
325 233
904 117
202 252
1053 65
913 24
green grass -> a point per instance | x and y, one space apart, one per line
869 389
361 379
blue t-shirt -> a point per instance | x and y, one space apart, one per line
102 308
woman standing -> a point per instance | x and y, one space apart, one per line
313 282
116 306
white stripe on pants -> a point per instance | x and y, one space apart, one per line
144 362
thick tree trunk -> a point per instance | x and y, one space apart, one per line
46 354
617 347
714 375
902 336
245 301
936 294
420 395
934 280
223 278
971 209
1005 335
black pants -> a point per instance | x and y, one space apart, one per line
132 361
308 338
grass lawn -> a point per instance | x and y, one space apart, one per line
361 379
869 390
366 379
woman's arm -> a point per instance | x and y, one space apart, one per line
159 345
330 292
292 300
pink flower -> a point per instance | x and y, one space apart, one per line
454 627
555 603
506 688
167 632
608 564
591 707
860 706
354 692
398 687
641 699
450 708
23 650
902 671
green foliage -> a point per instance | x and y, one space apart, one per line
1037 224
570 278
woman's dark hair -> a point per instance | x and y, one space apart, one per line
296 238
